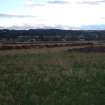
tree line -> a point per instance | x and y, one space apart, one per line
51 35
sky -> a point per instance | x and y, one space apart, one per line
64 14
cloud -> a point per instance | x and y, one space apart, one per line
71 14
32 3
4 15
103 18
55 13
94 2
57 2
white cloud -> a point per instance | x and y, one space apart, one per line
5 15
73 14
92 2
68 13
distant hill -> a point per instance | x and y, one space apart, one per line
51 35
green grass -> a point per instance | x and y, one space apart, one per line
52 78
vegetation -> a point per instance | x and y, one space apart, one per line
52 78
34 35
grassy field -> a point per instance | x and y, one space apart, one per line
30 77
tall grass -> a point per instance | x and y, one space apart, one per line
59 78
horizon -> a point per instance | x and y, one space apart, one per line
54 14
51 29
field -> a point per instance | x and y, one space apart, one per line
43 44
51 76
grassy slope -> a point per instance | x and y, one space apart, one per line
52 78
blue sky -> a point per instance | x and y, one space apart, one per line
66 14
